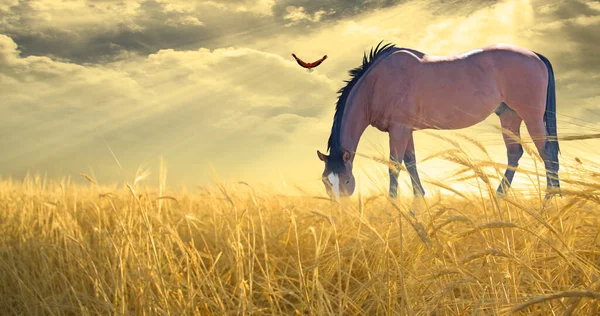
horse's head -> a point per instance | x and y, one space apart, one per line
337 175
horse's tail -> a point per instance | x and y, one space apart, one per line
552 149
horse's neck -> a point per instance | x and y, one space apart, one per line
355 120
356 116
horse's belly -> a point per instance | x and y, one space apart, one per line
458 103
453 111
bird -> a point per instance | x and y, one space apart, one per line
309 66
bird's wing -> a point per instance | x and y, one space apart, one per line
318 62
300 62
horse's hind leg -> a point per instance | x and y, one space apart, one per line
537 130
511 131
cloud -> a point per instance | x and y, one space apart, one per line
311 12
5 5
101 31
262 7
314 11
184 21
299 14
184 104
8 50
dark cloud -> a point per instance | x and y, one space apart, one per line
569 9
154 26
458 7
573 27
333 10
567 33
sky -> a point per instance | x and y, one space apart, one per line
110 87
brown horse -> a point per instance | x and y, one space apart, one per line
400 90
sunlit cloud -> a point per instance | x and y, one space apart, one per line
299 14
215 93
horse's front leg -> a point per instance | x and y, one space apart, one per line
399 140
410 161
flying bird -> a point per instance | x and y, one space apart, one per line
309 66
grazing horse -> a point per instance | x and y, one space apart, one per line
400 90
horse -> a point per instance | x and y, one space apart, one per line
401 90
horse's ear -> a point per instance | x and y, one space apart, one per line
347 156
322 156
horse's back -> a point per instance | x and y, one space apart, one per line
476 81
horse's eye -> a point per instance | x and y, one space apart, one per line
347 182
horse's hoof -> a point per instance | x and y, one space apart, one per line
549 197
552 192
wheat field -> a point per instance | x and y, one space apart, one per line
233 249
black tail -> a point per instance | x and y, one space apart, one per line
552 149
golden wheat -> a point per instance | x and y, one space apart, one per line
99 250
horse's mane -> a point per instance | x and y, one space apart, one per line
335 161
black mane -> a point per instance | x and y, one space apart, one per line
335 162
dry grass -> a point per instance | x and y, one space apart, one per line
68 250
